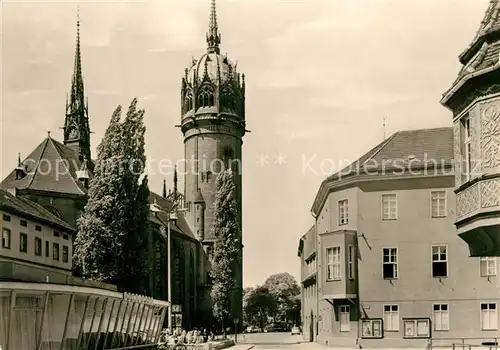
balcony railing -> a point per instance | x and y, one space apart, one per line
43 316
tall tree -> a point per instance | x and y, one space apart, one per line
137 193
227 248
286 290
110 245
259 305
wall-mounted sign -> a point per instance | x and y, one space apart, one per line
176 309
372 328
417 327
177 320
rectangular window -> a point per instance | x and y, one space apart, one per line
488 266
23 243
350 262
466 148
65 254
24 223
47 250
38 228
333 266
439 261
6 217
55 251
343 212
38 246
65 237
438 204
56 234
389 207
391 318
6 238
489 316
416 328
441 315
345 324
390 263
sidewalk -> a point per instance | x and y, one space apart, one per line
242 347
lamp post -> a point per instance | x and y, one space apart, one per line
172 216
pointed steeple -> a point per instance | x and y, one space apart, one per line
76 125
20 169
213 35
164 191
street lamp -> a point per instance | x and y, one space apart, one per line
172 217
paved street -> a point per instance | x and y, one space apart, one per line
271 341
269 338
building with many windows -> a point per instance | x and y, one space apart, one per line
390 270
36 245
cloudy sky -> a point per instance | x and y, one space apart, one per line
321 75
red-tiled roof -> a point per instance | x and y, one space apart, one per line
51 167
26 208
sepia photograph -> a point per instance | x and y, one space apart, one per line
249 174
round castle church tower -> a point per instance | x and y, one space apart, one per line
213 125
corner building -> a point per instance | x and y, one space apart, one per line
474 99
390 270
213 126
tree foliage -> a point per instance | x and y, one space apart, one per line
259 305
286 291
111 244
227 247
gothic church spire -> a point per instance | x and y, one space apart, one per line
76 125
213 35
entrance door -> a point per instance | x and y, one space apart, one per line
311 328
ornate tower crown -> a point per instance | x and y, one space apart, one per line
211 86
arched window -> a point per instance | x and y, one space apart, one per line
54 211
227 97
206 97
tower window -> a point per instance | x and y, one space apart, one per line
206 98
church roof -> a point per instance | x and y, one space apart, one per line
26 208
50 167
181 226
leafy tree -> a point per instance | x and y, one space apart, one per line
286 291
227 248
260 304
111 245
